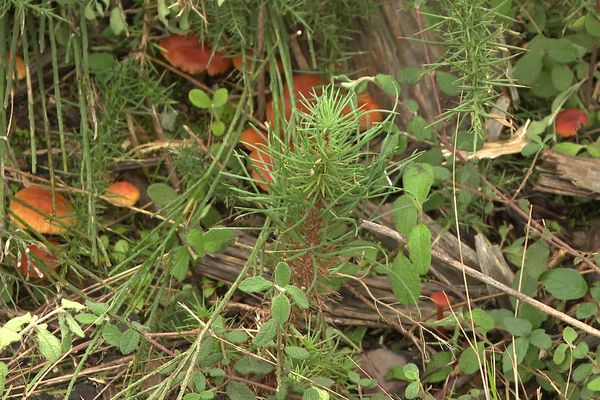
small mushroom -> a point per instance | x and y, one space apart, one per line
20 71
304 85
261 165
189 55
122 194
33 205
442 301
252 138
569 121
30 266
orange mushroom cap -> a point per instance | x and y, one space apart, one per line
569 121
20 71
29 266
370 111
441 299
303 87
252 138
261 167
122 194
189 55
33 205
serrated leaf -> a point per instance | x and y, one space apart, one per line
540 339
97 308
220 97
280 308
419 248
283 274
255 284
517 326
251 365
565 283
483 321
296 352
199 98
528 68
181 260
216 239
129 341
388 84
86 318
161 194
298 296
111 334
236 337
195 238
469 361
73 325
8 337
405 280
117 21
266 334
417 179
404 214
71 305
49 344
239 391
16 324
448 83
199 381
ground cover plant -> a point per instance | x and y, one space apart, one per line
299 199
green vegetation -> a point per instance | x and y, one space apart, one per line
289 223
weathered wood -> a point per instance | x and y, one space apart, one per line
569 175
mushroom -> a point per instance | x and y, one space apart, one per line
569 121
239 60
20 71
261 167
303 87
252 138
442 301
122 194
189 55
370 111
33 205
30 266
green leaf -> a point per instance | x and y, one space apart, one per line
220 97
468 361
411 372
16 324
181 261
562 76
251 365
594 385
528 68
255 284
195 238
73 325
48 343
582 372
8 337
313 393
129 341
217 128
586 310
199 98
568 148
565 283
404 214
413 390
418 126
563 51
98 309
217 238
560 354
581 350
236 337
102 62
71 305
161 194
3 375
388 84
87 318
199 381
419 248
283 274
569 335
266 334
417 180
405 280
298 296
111 335
409 75
448 83
519 348
439 367
239 391
280 308
517 326
296 352
483 321
592 25
540 339
117 21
